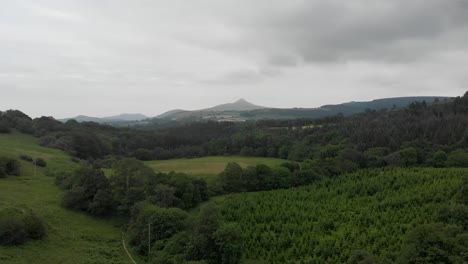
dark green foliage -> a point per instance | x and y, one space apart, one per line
88 190
361 257
164 196
206 240
40 162
144 154
229 241
87 145
9 166
232 177
409 156
13 167
76 198
462 194
453 214
298 152
439 159
458 158
14 119
18 225
3 173
102 203
291 166
435 243
26 158
132 182
202 245
371 210
4 128
247 151
46 124
158 223
235 179
128 182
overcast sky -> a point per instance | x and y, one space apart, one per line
99 58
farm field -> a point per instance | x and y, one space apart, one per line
207 167
370 210
72 237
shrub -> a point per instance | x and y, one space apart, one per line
18 225
144 154
40 162
9 166
457 158
13 167
4 128
26 158
3 163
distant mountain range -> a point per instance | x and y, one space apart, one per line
242 110
108 119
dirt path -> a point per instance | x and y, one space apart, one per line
125 247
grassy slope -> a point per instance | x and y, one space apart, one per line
207 166
72 237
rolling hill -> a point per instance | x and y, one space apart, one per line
109 119
242 110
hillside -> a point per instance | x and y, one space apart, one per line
72 237
108 119
370 213
239 105
243 110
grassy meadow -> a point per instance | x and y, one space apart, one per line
72 237
207 167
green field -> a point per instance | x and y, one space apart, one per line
208 166
325 222
72 237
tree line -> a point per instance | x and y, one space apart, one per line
157 204
422 134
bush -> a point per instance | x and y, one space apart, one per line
229 241
9 166
4 128
26 158
18 225
3 163
143 154
457 158
13 167
40 162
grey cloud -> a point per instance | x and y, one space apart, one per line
150 56
324 31
236 77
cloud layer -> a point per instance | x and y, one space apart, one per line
71 57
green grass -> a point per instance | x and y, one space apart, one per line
208 166
72 237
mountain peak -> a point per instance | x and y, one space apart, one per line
239 105
241 101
